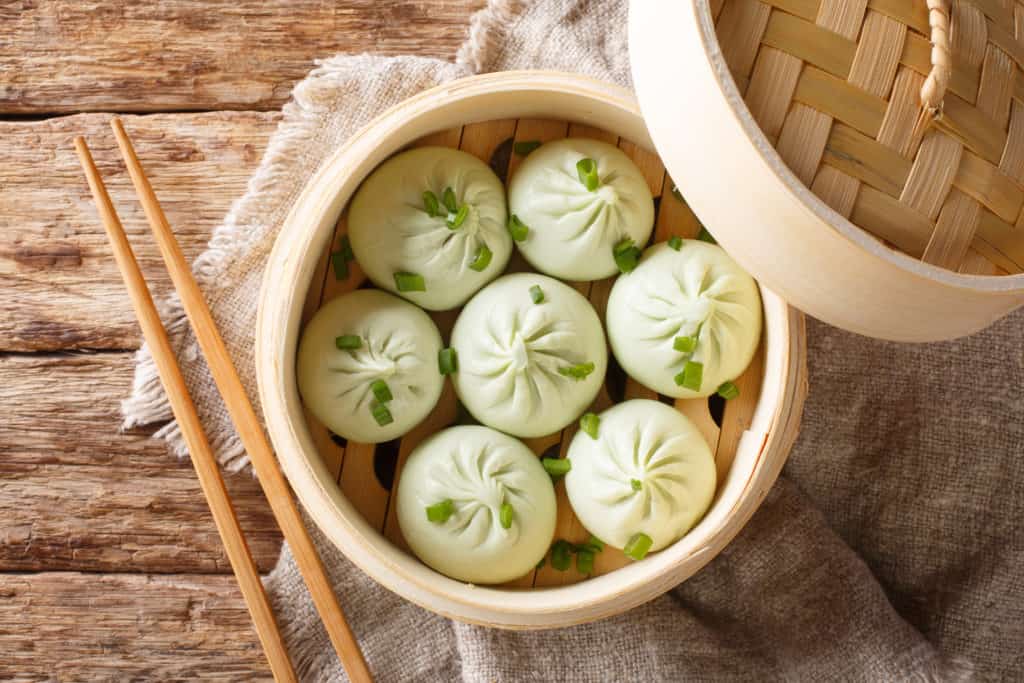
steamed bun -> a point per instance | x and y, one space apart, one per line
467 475
649 471
400 232
397 345
525 367
573 231
698 295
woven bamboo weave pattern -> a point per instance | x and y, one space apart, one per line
835 85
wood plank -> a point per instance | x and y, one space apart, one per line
73 627
66 55
61 287
76 493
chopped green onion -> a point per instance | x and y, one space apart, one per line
626 255
381 390
340 265
638 546
524 147
590 423
685 344
586 169
430 204
438 513
561 555
556 467
676 193
505 515
410 282
482 258
449 200
578 371
593 544
692 376
675 242
585 562
540 563
728 390
705 236
455 222
345 247
518 229
636 484
447 361
537 294
381 414
348 342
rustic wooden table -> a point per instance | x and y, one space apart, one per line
110 566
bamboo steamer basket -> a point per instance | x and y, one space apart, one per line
871 179
345 486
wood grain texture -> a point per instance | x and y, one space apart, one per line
75 55
61 286
76 494
58 626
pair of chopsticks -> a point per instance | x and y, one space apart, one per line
242 415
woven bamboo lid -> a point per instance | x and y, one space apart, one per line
907 125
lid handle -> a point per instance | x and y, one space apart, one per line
934 89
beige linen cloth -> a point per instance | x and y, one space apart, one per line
891 548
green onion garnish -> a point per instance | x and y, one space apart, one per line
340 265
345 247
578 371
675 242
438 513
590 423
348 342
518 229
636 484
537 294
540 563
685 344
455 222
381 414
728 390
692 376
586 169
410 282
556 467
447 361
381 390
705 236
430 204
524 147
561 555
482 258
626 255
638 546
449 200
505 515
585 562
593 544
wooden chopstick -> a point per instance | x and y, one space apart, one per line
244 418
191 429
